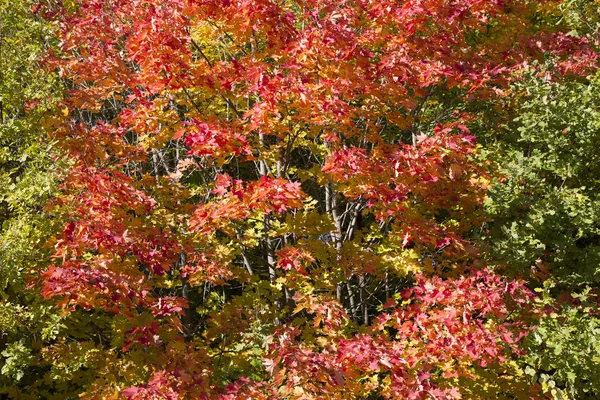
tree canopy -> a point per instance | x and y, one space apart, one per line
298 199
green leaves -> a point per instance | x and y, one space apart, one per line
17 357
546 225
545 208
564 351
28 180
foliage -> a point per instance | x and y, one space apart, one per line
544 211
564 349
545 222
27 181
265 199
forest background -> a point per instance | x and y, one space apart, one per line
299 199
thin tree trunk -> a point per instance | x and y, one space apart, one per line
363 300
185 294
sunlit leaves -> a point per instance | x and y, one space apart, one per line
253 185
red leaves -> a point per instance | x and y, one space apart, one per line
80 284
108 208
434 162
437 173
145 335
102 249
348 162
158 388
166 306
267 195
463 319
210 140
448 325
294 258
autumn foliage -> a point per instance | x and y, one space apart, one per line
281 199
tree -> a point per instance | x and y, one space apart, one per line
28 179
276 199
543 208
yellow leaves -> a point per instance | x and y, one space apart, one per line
280 283
402 262
167 283
251 236
203 33
397 259
480 181
549 8
68 358
10 316
299 307
223 252
314 173
307 223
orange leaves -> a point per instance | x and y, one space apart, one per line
160 46
239 201
326 311
210 140
81 284
204 267
96 144
275 195
392 172
258 17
